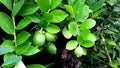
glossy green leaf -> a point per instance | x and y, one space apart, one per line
87 24
35 17
55 3
72 44
91 37
8 43
69 9
5 49
35 66
11 61
22 37
85 33
78 51
22 48
51 28
6 23
87 43
80 39
66 33
43 23
31 51
28 9
17 6
111 42
84 51
44 5
48 17
6 56
73 28
7 3
23 23
80 10
58 15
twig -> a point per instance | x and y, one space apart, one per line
105 47
14 31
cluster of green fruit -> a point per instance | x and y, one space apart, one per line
45 39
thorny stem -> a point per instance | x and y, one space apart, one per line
14 31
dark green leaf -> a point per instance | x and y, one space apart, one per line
23 48
58 15
87 24
51 28
72 44
11 61
43 23
6 23
97 13
5 49
44 5
114 30
109 32
22 37
73 28
55 3
35 66
111 42
112 2
31 51
17 6
7 3
28 9
23 23
97 5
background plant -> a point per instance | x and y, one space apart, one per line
33 25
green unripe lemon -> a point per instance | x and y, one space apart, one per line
51 48
78 51
38 38
50 37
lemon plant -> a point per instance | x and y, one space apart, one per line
72 18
